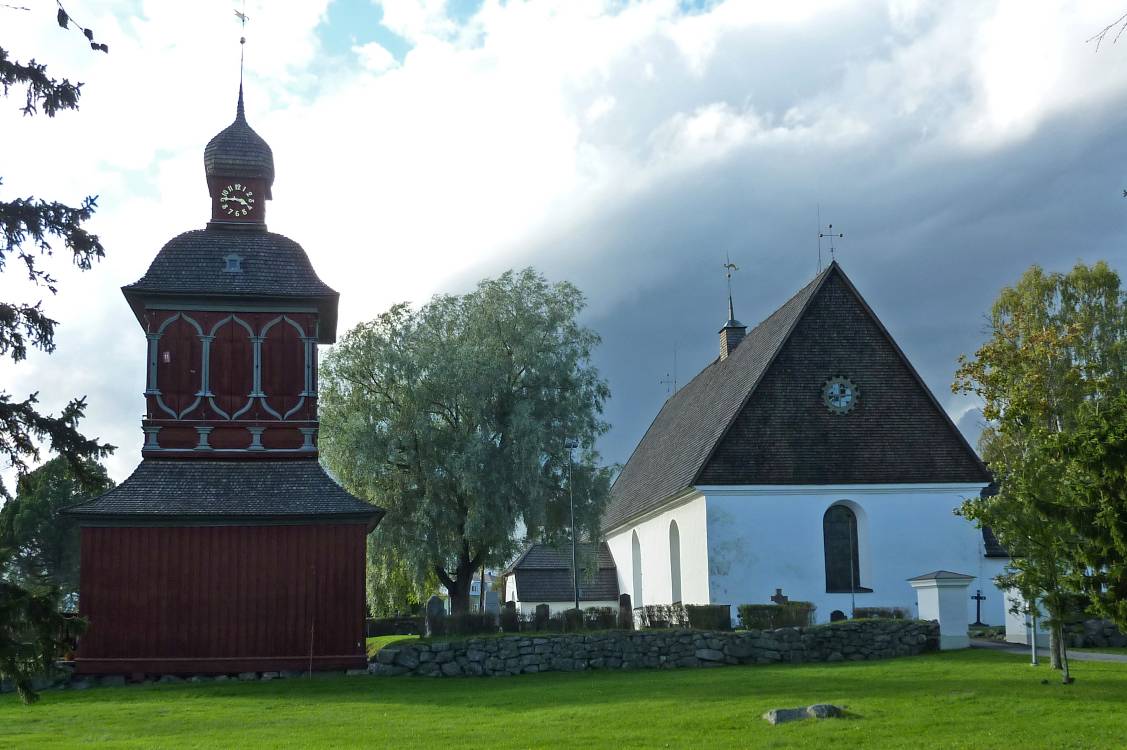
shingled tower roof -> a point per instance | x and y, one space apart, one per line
239 151
756 417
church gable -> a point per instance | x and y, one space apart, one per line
894 431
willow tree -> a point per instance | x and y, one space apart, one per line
1057 350
456 418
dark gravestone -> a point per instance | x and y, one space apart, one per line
435 616
625 613
780 597
543 614
837 616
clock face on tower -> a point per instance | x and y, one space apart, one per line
236 200
840 395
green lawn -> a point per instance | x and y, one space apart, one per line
973 699
375 643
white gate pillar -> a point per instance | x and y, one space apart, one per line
941 595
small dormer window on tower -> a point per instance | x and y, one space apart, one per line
234 263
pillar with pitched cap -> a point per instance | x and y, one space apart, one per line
942 595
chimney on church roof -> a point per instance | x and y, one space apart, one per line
733 331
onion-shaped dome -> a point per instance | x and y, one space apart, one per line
238 151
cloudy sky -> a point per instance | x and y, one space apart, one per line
626 146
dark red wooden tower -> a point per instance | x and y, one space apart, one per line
228 549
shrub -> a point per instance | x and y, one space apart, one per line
771 616
469 623
662 616
394 626
566 621
881 613
600 618
709 616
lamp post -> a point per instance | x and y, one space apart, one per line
571 444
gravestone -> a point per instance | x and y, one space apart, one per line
780 597
625 613
492 602
837 616
543 613
435 616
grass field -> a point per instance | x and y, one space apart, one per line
973 699
375 643
1103 649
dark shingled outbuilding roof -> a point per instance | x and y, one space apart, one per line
238 151
189 491
543 574
272 266
756 417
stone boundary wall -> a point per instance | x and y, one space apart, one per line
658 649
1095 634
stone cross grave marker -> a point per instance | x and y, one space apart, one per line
780 597
978 600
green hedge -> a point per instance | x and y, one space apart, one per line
709 616
772 616
881 613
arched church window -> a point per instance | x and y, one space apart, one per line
843 555
636 560
675 561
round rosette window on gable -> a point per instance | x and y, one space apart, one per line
840 395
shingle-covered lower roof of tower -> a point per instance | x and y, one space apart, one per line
197 489
194 262
686 443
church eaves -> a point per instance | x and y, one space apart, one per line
756 417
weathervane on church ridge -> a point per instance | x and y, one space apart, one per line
729 266
829 234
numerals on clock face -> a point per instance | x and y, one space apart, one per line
236 200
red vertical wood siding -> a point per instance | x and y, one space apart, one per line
222 599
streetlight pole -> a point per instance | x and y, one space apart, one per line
571 444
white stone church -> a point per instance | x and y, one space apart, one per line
808 457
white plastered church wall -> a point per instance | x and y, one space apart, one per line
763 538
653 535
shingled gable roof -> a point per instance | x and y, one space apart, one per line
190 491
543 574
683 439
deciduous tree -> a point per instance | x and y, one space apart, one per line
44 544
455 417
1057 347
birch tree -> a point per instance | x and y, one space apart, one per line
1057 347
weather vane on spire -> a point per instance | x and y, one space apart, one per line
729 266
243 18
828 233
